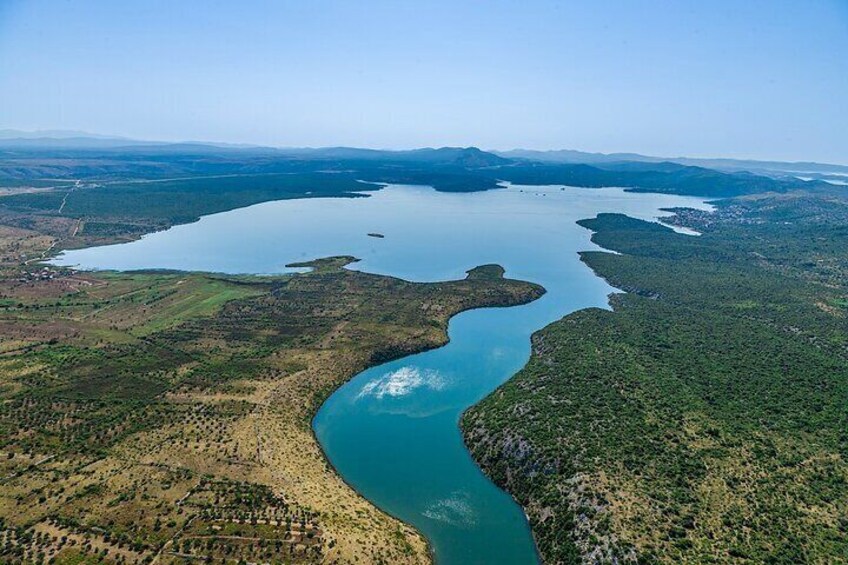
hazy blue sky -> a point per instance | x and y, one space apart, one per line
703 78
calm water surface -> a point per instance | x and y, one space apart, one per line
392 430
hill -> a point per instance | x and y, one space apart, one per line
703 418
570 156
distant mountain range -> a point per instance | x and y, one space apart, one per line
71 154
471 156
72 139
576 157
53 134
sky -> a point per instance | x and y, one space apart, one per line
752 79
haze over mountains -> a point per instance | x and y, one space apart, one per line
73 139
71 156
572 156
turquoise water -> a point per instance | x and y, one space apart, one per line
392 430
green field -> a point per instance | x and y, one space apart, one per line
166 416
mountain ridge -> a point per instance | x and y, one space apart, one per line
572 156
77 139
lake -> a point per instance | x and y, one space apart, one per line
392 431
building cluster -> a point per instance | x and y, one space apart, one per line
43 274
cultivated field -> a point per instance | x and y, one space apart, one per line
165 417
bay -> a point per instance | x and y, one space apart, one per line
392 431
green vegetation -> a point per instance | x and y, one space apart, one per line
704 419
165 416
233 177
178 201
652 177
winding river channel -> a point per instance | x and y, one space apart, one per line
392 430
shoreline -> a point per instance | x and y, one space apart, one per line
405 528
346 378
430 549
58 247
658 220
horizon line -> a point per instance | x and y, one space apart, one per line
82 134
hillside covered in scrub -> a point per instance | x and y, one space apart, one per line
704 418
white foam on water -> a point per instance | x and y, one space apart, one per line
454 510
402 382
